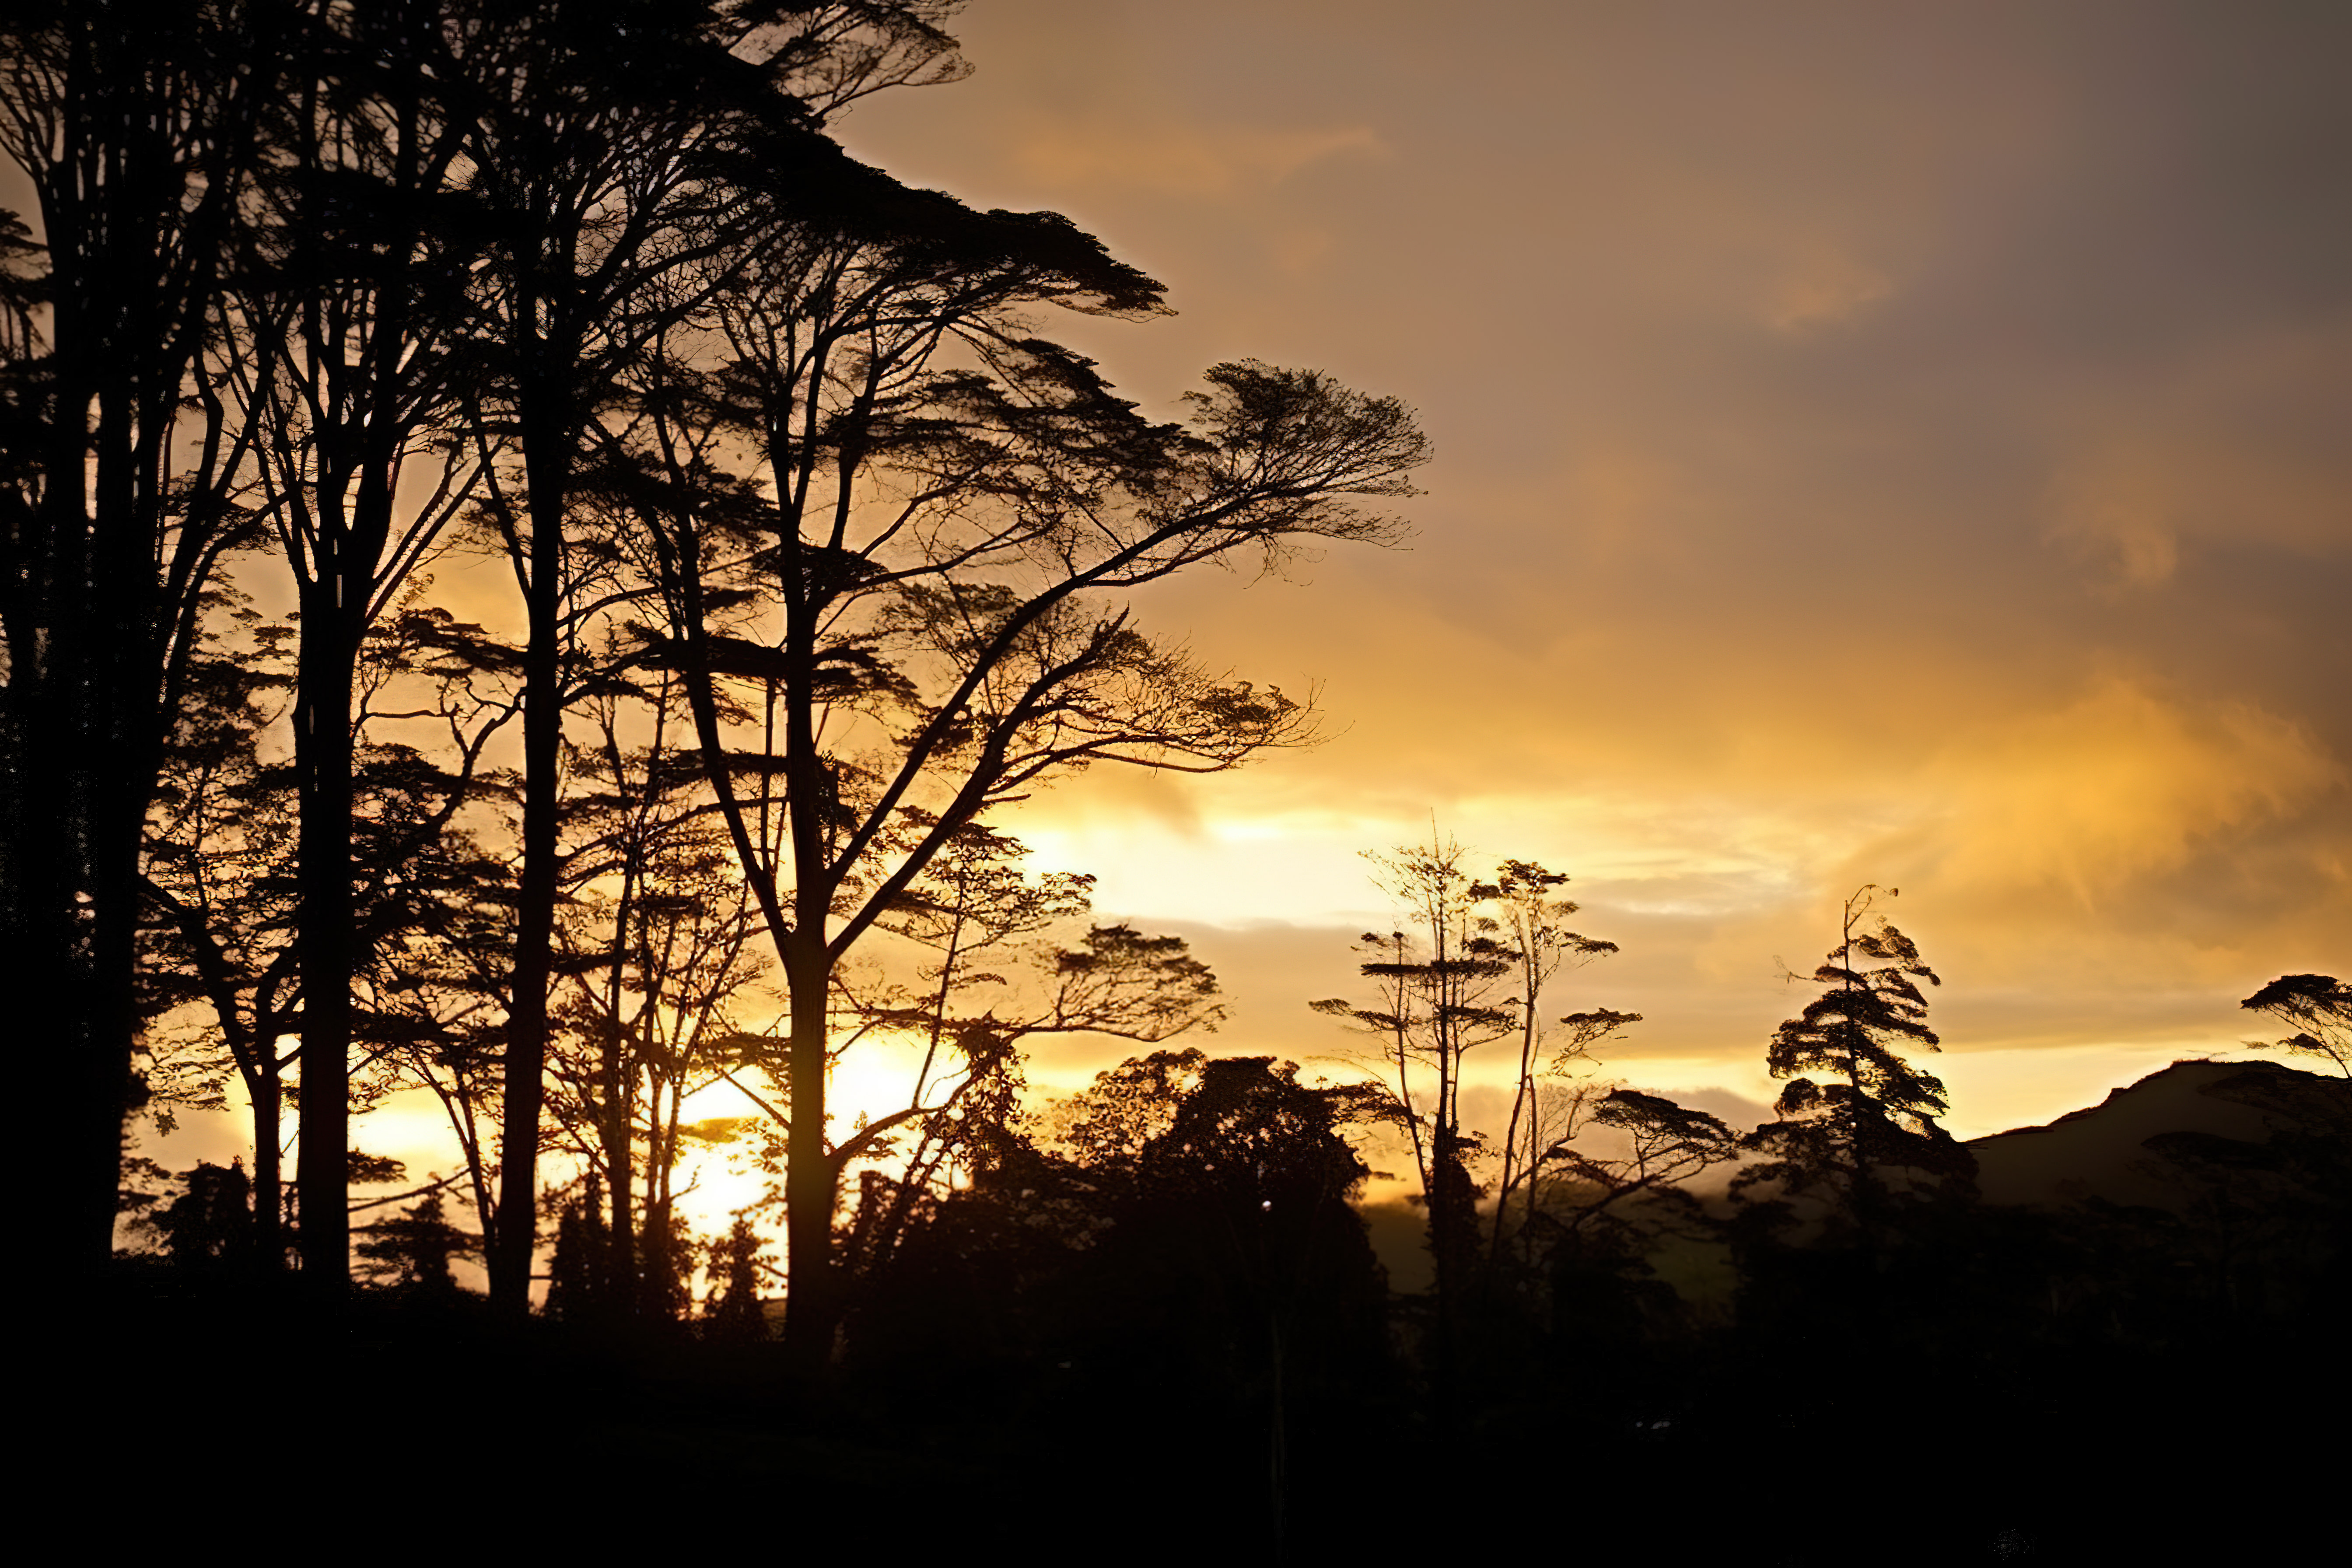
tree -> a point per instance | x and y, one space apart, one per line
2318 1007
210 1225
219 891
348 345
1610 1209
973 907
616 203
657 943
120 495
886 526
1238 1218
1867 1138
1441 999
1445 989
733 1315
1181 1224
414 1248
1529 916
219 962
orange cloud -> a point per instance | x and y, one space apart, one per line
2117 784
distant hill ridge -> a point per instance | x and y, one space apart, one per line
2101 1151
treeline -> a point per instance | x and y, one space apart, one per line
814 553
1162 1291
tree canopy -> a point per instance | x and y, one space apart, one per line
820 549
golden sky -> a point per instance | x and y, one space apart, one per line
1877 442
1906 443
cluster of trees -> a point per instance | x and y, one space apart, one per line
1552 1217
815 552
1176 1238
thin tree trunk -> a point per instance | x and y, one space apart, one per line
323 725
546 435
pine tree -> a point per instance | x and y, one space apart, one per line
416 1247
1863 1135
736 1314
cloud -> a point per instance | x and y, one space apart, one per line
1175 159
2115 522
2117 784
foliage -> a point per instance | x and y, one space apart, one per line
416 1248
1868 1135
734 1314
1185 1221
973 910
756 428
1470 973
210 1224
2318 1007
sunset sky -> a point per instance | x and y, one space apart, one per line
1877 442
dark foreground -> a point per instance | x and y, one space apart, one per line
215 1412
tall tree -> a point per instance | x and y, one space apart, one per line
1445 989
1529 916
1866 1137
657 943
348 345
900 597
219 884
617 196
1441 996
135 123
221 955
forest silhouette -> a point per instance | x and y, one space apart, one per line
818 558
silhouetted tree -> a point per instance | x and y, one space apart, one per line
901 600
416 1248
221 959
577 1292
135 124
1611 1212
656 943
1867 1138
1473 971
1441 997
2318 1007
210 1225
1184 1237
735 1314
1528 919
618 192
218 962
348 344
1116 982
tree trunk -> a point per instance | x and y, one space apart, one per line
328 939
269 1180
546 436
810 1304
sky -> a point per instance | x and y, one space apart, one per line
1877 442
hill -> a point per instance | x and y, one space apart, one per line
2102 1150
